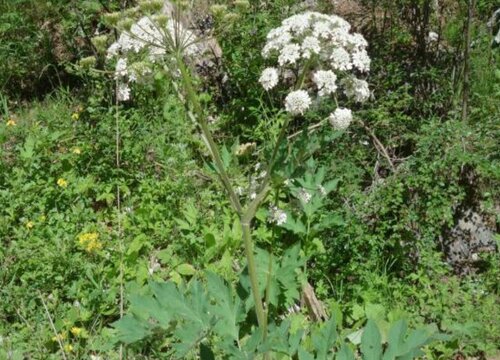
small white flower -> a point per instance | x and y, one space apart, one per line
113 50
123 92
282 39
310 46
156 53
297 23
154 265
322 29
277 216
357 89
304 196
289 54
322 190
361 60
297 102
341 60
340 119
341 37
357 41
132 76
432 37
121 68
325 81
269 78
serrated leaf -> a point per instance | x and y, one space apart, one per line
145 307
325 338
294 225
172 300
226 309
331 185
371 342
189 335
129 329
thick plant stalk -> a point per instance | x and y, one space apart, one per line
249 214
252 272
214 151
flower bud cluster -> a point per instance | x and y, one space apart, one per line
325 58
151 38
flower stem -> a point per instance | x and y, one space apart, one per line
252 272
214 151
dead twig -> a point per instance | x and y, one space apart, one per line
58 338
378 145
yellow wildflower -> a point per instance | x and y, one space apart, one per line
30 224
90 241
11 122
62 183
77 151
59 337
68 348
75 116
77 331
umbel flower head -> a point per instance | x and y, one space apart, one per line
153 38
269 78
297 102
325 56
341 118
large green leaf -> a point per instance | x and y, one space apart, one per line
396 340
130 329
146 307
371 342
171 300
226 309
345 353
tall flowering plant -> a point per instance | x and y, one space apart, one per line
313 56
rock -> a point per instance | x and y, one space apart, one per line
470 237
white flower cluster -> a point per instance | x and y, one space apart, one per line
323 52
304 195
297 102
340 119
155 41
277 216
269 78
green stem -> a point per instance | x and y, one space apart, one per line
252 272
247 238
214 151
264 188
